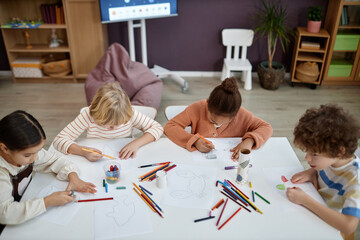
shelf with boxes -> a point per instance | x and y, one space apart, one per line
343 23
28 29
308 57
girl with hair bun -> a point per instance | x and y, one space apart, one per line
219 116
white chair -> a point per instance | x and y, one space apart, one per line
172 111
148 111
233 40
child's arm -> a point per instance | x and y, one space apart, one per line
147 125
347 224
130 149
71 132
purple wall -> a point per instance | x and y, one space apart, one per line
192 40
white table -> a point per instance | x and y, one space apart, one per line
178 223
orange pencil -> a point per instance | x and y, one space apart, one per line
154 170
204 139
88 150
218 204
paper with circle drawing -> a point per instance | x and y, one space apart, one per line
221 151
190 186
124 216
279 179
23 184
61 215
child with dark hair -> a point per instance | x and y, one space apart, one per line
21 141
219 116
329 136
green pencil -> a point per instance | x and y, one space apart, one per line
122 187
262 197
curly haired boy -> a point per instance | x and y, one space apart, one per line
329 136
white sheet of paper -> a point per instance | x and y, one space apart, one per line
61 215
124 216
190 186
274 178
222 150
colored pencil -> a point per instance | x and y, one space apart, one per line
106 187
165 169
217 223
144 189
252 192
250 185
154 164
230 167
153 171
234 200
237 188
251 204
218 204
153 201
229 218
147 197
234 195
121 187
95 199
152 208
262 197
85 149
202 219
204 139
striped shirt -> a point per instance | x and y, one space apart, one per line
84 122
340 187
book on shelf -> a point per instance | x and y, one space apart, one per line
310 45
53 13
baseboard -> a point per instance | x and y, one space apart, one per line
214 74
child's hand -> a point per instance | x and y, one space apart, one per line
296 195
304 176
129 150
75 183
246 144
91 156
58 199
202 146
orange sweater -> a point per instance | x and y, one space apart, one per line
244 125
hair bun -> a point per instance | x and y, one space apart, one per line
230 85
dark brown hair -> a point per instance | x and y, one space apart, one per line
327 130
225 99
20 130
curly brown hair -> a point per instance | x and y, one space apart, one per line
327 130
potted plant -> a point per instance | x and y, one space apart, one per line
271 20
314 17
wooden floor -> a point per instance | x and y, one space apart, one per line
56 105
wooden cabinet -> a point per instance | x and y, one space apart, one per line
84 37
342 65
303 55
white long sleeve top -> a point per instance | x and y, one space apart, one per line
84 122
12 212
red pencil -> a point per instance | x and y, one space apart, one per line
229 218
235 201
95 199
222 212
237 189
154 164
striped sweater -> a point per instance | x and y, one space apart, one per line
84 122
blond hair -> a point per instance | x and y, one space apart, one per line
111 105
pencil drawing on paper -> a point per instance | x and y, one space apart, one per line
195 185
123 211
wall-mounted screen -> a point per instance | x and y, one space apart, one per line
124 10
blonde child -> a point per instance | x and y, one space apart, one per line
109 116
329 136
21 141
219 116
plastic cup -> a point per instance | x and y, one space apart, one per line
111 175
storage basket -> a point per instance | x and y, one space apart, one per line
57 68
307 72
27 67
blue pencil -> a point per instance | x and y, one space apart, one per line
153 201
106 187
253 195
145 190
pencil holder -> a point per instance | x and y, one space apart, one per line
112 172
161 181
243 168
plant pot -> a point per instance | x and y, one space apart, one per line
271 78
313 26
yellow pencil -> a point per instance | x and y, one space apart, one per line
144 200
249 201
141 191
154 170
85 149
250 184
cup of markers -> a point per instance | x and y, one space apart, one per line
112 172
